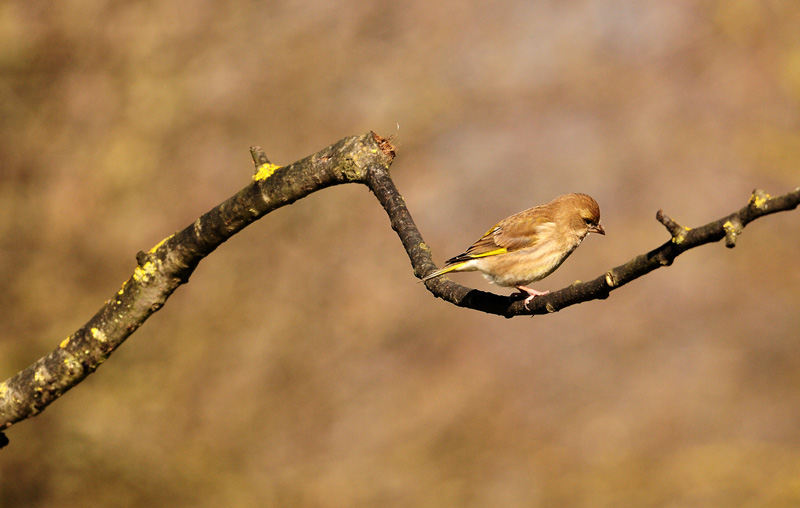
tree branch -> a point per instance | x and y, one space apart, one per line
683 239
358 159
166 266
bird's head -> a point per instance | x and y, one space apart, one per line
580 212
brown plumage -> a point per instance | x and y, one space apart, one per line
529 245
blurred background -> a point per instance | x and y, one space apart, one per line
302 366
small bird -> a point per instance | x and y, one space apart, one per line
529 245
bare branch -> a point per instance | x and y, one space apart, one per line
358 159
170 263
683 239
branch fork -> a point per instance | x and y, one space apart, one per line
677 231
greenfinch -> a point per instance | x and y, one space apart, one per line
529 245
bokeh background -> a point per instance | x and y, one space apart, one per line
302 366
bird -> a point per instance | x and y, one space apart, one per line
530 245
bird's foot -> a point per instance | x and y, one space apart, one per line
532 293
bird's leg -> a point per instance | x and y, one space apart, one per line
532 294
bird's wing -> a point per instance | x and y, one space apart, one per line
521 231
514 233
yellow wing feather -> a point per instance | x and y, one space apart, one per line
517 232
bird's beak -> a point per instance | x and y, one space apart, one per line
597 229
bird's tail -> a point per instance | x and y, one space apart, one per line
446 269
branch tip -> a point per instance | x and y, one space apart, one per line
259 157
385 144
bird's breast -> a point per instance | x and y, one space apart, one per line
525 266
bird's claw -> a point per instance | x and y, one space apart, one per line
532 293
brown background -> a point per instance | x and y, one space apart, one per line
302 365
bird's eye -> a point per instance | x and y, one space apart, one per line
588 221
